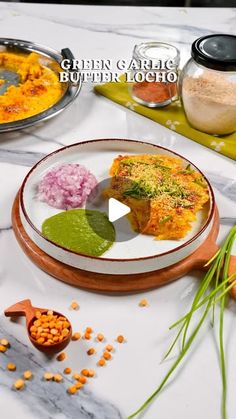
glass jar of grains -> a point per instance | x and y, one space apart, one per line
153 77
208 85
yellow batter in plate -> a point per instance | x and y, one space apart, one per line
38 88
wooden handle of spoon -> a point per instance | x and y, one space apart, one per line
22 308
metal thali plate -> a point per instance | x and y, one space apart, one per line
50 58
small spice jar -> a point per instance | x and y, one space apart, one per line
153 78
208 85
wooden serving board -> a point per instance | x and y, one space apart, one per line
119 284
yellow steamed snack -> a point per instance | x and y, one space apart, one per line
164 196
39 87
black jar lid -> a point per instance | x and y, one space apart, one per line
215 51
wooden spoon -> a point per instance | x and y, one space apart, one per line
25 308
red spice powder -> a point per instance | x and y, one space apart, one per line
154 91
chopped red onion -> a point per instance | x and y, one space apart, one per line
66 186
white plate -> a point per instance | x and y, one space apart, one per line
142 253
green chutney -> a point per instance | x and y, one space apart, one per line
83 231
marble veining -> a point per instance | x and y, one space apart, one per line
48 398
20 157
227 186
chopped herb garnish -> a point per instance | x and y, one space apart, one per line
127 163
160 166
166 219
187 170
185 205
135 191
200 183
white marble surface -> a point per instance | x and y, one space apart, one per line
109 32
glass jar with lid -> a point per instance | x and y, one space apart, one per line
152 83
208 85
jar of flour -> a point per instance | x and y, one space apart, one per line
208 85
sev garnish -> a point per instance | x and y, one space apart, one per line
164 197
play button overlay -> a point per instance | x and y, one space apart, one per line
116 211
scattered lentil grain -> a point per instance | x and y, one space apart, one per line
58 378
109 348
85 372
67 370
72 389
5 342
100 337
83 379
91 373
76 336
11 367
79 385
91 351
120 339
48 376
27 375
19 384
87 336
74 305
101 362
61 356
143 303
107 355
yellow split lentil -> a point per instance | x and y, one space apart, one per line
107 355
109 348
120 339
5 342
58 378
76 376
19 384
11 367
76 336
143 303
74 305
82 379
27 375
79 385
67 370
72 389
49 328
101 362
91 351
61 356
100 337
48 376
38 89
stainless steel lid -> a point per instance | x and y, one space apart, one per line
52 59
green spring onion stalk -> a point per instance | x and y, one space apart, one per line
214 288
